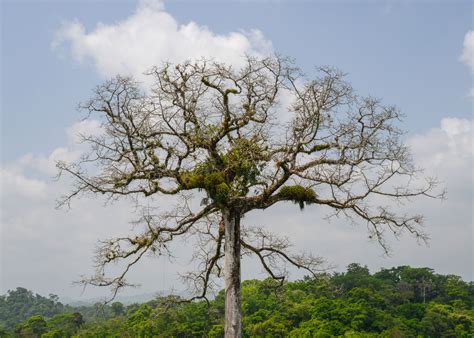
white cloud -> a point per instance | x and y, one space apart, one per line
46 164
470 94
447 152
89 127
151 36
467 56
451 142
16 184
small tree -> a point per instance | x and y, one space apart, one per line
209 127
117 308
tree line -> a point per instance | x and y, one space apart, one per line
396 302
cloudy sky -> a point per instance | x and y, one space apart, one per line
418 55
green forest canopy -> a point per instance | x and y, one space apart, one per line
396 302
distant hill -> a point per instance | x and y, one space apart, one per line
126 300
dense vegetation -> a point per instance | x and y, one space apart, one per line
397 302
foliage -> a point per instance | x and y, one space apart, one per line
350 304
20 304
117 308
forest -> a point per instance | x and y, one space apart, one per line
397 302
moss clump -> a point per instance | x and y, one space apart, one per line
190 180
242 165
208 181
212 180
298 194
231 174
222 193
141 241
214 183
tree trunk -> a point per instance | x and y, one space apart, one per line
233 308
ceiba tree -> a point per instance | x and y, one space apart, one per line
207 126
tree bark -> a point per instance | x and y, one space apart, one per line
233 308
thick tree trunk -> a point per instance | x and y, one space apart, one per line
233 308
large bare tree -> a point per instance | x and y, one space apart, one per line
210 127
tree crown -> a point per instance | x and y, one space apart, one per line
249 137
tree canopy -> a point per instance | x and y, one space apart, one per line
355 303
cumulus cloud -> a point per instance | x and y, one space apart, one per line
17 184
451 142
447 152
467 55
46 164
151 36
84 128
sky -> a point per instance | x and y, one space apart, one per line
418 55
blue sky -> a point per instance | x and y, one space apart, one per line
407 52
